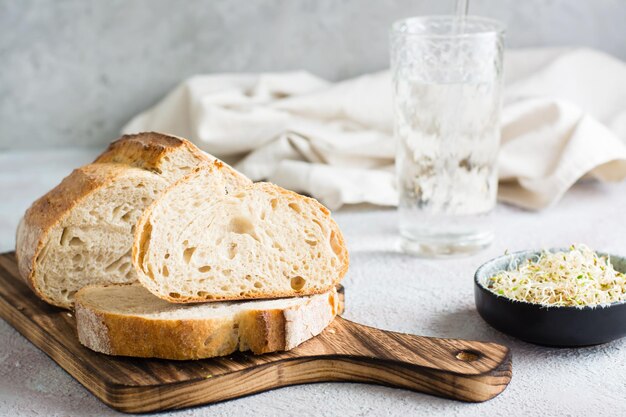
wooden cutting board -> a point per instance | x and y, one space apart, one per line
345 351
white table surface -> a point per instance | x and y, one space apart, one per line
384 288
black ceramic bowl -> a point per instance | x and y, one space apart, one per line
549 326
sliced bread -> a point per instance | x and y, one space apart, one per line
81 232
201 242
128 320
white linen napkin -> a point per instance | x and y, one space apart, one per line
564 117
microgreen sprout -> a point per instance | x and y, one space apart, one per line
578 277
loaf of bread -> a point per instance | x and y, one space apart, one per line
81 232
200 241
128 320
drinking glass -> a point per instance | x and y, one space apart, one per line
447 85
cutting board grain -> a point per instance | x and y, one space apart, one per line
345 351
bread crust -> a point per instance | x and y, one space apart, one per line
260 331
147 151
143 232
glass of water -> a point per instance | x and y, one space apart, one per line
447 84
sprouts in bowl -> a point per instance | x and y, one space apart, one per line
558 297
578 277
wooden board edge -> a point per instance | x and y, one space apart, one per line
38 337
299 371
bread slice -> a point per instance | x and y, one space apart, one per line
81 232
201 242
128 320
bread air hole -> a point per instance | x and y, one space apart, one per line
68 294
335 244
273 203
124 267
76 241
166 272
150 273
205 268
174 295
188 253
144 242
225 287
116 210
242 226
297 283
295 207
232 250
317 223
126 217
332 302
258 284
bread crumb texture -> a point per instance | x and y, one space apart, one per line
202 241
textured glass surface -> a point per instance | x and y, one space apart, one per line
447 81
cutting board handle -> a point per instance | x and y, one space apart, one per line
452 368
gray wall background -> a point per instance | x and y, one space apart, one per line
72 72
